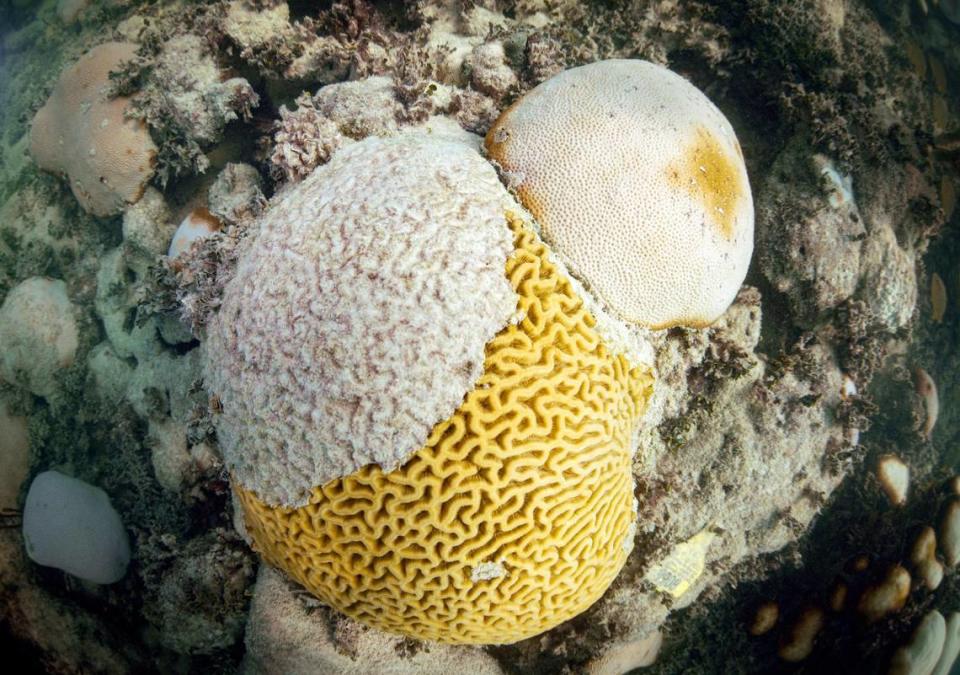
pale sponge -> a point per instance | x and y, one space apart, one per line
83 133
71 525
357 319
639 185
38 334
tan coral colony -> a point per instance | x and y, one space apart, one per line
83 133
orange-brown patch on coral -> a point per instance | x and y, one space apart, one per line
938 73
707 172
203 215
948 197
917 58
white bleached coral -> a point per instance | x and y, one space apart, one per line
357 319
83 133
236 194
639 183
197 91
809 247
889 277
283 47
38 334
490 72
188 100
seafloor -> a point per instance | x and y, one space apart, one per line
769 428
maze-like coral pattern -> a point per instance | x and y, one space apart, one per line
531 473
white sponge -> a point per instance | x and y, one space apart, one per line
71 525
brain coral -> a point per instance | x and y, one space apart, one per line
639 184
427 426
359 317
83 133
516 514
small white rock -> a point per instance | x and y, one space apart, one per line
951 646
71 525
894 477
920 655
848 388
626 655
487 570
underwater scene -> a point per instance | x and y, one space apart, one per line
485 337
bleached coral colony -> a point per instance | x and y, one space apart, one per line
639 181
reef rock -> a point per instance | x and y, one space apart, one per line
285 635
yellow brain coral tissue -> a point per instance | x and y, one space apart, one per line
517 513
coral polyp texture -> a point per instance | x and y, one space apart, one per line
83 133
358 319
519 510
639 184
